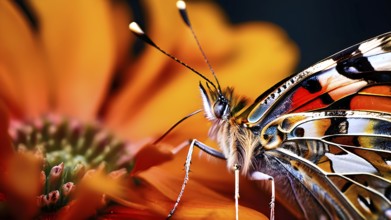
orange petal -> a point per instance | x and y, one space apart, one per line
94 191
123 212
79 42
212 174
120 17
151 155
6 148
21 184
22 71
198 201
163 19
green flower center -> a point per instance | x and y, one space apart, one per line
68 149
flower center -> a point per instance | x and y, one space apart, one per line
67 149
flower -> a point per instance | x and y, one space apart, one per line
68 68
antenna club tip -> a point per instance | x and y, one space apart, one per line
181 5
133 26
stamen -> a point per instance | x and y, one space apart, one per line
55 176
51 198
68 188
67 151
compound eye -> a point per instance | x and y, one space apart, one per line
220 108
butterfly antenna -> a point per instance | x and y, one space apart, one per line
181 5
176 124
135 28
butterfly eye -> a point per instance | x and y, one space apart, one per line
221 108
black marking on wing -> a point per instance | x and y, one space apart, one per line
361 68
351 67
369 204
346 186
352 63
312 84
326 99
383 127
342 103
387 193
355 141
339 125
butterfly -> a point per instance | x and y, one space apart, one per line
323 135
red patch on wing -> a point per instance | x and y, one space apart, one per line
302 100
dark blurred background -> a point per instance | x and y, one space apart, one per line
320 28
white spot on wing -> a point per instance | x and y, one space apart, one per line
381 62
348 163
260 176
368 47
387 213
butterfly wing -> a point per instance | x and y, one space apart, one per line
340 157
292 187
342 75
326 134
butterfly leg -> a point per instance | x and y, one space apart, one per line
237 172
259 176
203 147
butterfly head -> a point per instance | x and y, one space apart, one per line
216 104
220 104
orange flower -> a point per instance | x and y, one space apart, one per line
72 70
